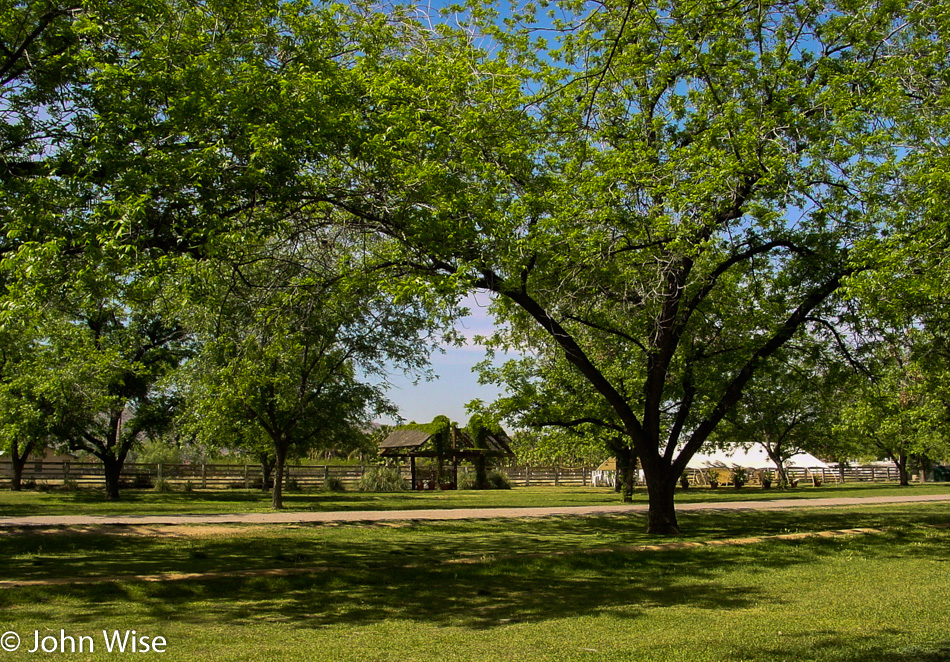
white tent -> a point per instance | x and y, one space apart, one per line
753 458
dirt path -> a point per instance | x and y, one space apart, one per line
451 514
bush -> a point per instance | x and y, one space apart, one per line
467 482
162 485
70 485
383 479
495 480
333 484
498 480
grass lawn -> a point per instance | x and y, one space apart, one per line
143 502
560 588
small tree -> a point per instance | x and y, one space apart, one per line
287 343
786 410
892 410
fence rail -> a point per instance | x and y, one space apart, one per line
246 476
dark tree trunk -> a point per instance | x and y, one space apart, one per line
626 462
18 460
112 470
626 472
661 518
901 462
481 473
277 498
267 471
16 484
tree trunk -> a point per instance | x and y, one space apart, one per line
18 460
901 462
481 473
277 498
661 518
16 484
267 470
774 452
626 461
626 471
112 470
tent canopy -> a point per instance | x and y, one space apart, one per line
753 458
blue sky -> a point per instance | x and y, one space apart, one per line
455 384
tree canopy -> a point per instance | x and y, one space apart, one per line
660 197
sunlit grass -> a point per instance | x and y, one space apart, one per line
142 502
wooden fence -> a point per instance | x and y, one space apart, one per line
247 476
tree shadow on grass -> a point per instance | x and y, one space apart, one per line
476 595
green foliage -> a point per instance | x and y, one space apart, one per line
682 198
788 408
498 480
659 199
158 451
162 485
383 479
892 409
289 341
441 430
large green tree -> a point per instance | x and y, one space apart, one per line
676 189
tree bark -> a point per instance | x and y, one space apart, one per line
775 454
901 462
626 472
112 470
481 473
267 470
18 460
661 518
277 498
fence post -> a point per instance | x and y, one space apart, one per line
247 485
527 476
158 471
326 475
204 476
556 477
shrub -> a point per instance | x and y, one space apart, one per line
333 484
498 480
383 479
70 485
467 482
162 485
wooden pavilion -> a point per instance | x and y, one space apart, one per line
415 443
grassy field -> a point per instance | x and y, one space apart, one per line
562 588
142 502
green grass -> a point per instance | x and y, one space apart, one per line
143 502
383 592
